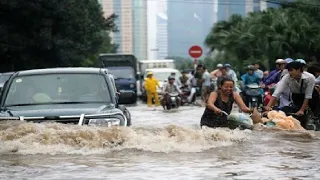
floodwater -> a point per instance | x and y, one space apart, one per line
159 145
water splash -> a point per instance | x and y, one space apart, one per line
54 138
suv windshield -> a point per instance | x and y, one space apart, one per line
58 88
121 72
4 77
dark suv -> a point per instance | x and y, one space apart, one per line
67 95
4 77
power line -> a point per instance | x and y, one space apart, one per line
232 2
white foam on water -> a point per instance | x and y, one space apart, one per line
54 138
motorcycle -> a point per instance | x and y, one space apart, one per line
253 93
268 94
213 85
173 97
188 95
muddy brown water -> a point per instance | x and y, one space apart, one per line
159 145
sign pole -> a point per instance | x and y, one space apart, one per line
195 52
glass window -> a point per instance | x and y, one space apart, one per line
4 77
121 72
58 88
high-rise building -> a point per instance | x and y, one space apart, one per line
152 30
189 22
226 8
162 30
132 25
256 6
162 36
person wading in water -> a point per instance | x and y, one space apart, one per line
300 84
222 100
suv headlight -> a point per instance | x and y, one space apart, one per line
131 85
108 122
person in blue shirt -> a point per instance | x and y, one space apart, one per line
250 78
275 78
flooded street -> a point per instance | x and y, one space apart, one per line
159 145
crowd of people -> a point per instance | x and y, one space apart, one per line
296 86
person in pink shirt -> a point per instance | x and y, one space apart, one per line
215 74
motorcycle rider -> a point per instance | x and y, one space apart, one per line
305 67
216 73
206 82
184 79
224 74
275 77
285 71
301 85
258 71
177 82
197 74
271 73
250 78
284 99
231 73
150 86
214 76
169 88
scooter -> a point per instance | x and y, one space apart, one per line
213 85
268 90
188 95
254 93
172 101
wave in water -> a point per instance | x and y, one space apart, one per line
54 138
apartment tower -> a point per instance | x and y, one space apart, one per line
132 25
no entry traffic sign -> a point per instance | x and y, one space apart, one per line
195 51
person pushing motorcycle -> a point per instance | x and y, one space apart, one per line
301 85
170 88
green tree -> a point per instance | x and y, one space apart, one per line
41 33
289 31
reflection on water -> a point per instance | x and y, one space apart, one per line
154 149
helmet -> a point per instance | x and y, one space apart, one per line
288 60
219 65
150 73
279 61
250 67
227 65
171 78
301 61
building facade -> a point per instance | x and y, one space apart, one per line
132 25
188 25
162 36
242 7
162 30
